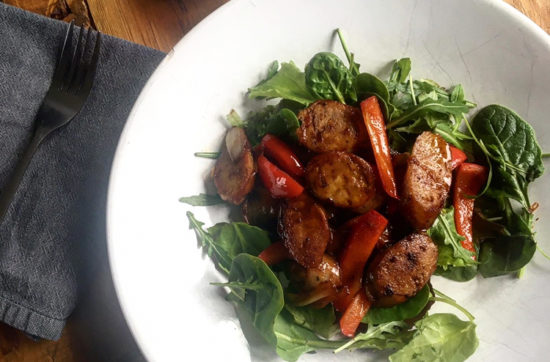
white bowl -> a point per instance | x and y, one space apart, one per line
161 276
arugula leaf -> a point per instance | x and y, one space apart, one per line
440 337
353 66
455 109
328 78
257 292
202 200
443 233
320 321
224 241
409 309
287 83
394 334
505 254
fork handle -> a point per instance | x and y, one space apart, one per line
11 187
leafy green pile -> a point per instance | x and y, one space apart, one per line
496 137
257 292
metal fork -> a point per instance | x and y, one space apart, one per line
71 84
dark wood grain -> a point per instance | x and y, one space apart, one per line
158 24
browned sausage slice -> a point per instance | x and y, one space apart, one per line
234 178
342 178
401 270
304 229
427 180
331 126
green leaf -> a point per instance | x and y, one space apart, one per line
440 337
202 200
368 85
443 233
400 72
257 292
394 334
511 141
458 273
224 241
235 119
239 237
320 321
328 78
505 254
293 340
429 105
287 83
353 66
409 309
275 120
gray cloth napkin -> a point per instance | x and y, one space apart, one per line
57 217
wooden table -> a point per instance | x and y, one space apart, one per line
158 24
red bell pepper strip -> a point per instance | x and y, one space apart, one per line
354 313
364 237
275 253
282 155
469 180
278 182
458 157
376 127
367 229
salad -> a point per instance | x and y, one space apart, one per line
353 192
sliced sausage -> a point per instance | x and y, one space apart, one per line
234 178
342 178
427 180
304 229
331 126
401 270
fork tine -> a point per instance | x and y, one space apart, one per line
89 74
75 62
64 56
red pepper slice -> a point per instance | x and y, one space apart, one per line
354 313
278 182
458 157
282 155
469 180
275 253
376 127
367 229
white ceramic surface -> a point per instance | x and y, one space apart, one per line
162 278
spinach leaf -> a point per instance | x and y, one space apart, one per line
458 273
409 309
394 334
510 142
287 83
505 254
211 155
443 233
328 78
368 85
320 321
202 200
276 120
224 241
440 337
257 292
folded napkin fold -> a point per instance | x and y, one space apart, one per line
58 214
